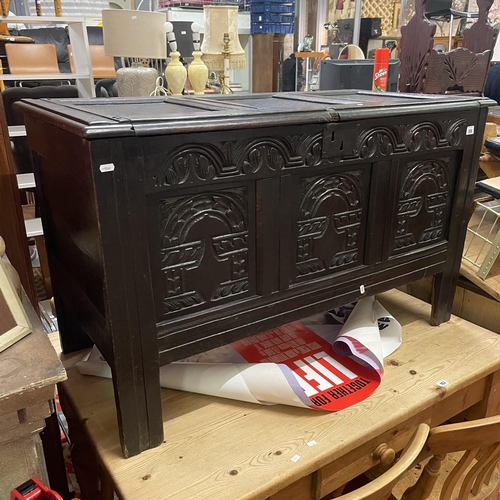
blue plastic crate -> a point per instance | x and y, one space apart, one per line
241 4
270 17
238 3
261 7
281 28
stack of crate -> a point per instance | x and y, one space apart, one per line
200 3
163 4
272 16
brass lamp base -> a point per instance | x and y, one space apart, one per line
224 89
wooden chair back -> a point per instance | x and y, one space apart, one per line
461 70
417 40
31 59
477 474
103 66
381 487
481 35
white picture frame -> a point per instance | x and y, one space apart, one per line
14 323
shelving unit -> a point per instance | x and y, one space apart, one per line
79 41
85 84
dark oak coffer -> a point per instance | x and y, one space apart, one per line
175 225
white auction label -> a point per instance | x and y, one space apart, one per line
469 130
442 383
311 443
295 458
107 167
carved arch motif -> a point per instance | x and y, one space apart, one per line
455 132
378 141
310 149
312 227
424 136
204 161
263 153
178 254
428 206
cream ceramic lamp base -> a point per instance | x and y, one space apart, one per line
137 81
176 74
198 74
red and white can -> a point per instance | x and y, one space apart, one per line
381 69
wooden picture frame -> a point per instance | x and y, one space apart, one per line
14 323
395 14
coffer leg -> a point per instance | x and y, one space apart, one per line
73 337
443 294
138 407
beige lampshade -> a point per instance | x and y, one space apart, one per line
219 20
134 33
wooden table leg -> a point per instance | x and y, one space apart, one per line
52 449
107 486
83 456
493 396
490 405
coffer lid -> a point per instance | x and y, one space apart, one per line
98 118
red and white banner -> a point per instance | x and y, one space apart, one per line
326 362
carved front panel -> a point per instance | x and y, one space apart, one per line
330 224
205 250
378 141
423 205
223 157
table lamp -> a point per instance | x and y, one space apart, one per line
175 72
198 71
139 35
217 47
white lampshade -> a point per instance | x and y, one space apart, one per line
134 33
219 20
